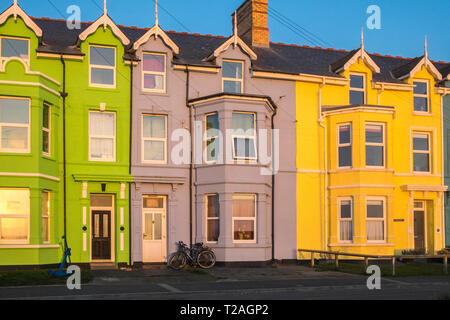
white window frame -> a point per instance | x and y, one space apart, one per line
241 81
236 158
211 218
363 90
418 133
106 137
143 139
254 219
48 130
46 216
427 96
341 145
384 219
97 85
17 125
163 74
207 139
376 144
3 59
22 216
340 219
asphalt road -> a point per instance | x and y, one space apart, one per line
280 284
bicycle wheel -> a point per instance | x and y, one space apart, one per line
206 259
177 260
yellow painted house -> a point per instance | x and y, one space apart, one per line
369 155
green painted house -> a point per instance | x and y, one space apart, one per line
30 140
65 141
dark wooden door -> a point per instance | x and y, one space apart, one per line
101 235
419 230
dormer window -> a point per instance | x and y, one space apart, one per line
232 76
102 67
15 48
421 96
357 89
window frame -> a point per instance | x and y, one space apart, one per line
376 144
340 219
241 81
428 134
48 130
163 74
2 59
363 90
254 137
22 216
211 218
95 66
341 145
114 159
144 139
207 139
427 96
254 219
46 241
384 219
17 125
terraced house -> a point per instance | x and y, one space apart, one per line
127 140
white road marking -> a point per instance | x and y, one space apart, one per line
170 288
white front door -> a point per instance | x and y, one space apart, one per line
154 244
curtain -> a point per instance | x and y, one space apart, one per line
154 127
346 230
244 206
153 63
245 122
375 230
154 150
102 148
102 124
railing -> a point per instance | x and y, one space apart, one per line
367 257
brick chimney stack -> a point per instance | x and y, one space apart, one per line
252 22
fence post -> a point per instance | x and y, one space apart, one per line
336 261
393 266
366 262
312 259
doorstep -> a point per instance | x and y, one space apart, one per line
103 266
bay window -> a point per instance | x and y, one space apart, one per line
244 136
376 219
46 130
14 125
232 76
154 139
102 136
345 145
45 223
14 215
212 137
212 218
345 206
244 218
375 145
102 67
154 72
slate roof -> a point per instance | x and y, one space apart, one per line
280 58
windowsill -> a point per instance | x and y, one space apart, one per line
49 157
94 88
368 244
425 114
151 93
18 154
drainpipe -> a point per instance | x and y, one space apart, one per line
380 91
130 160
273 185
325 165
191 168
64 95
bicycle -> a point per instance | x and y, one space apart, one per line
198 254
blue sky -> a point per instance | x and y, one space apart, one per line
404 23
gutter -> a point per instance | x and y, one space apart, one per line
64 95
325 166
191 168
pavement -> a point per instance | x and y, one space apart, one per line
283 282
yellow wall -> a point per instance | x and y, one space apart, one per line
359 181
